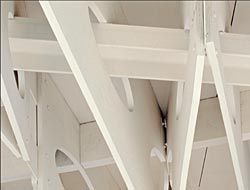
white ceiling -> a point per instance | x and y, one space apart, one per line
218 170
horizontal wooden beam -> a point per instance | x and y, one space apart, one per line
128 51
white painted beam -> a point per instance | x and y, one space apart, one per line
128 51
13 103
116 123
181 129
228 98
20 110
184 136
237 147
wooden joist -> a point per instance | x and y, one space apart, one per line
128 51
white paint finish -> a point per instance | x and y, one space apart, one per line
232 73
114 120
223 12
71 92
238 44
10 173
23 27
183 137
59 130
123 88
94 150
10 96
7 135
161 90
31 120
163 65
238 150
66 169
158 154
128 93
20 111
218 169
106 34
179 98
229 101
181 130
126 53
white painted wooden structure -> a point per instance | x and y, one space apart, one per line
125 95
